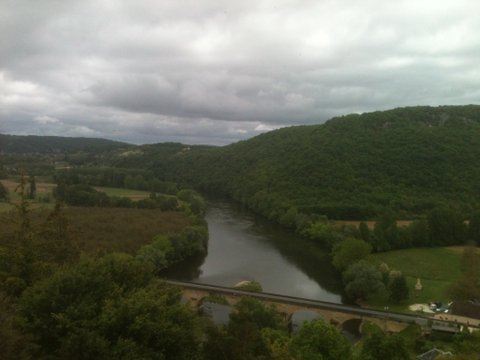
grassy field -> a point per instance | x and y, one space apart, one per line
132 194
437 269
103 230
44 198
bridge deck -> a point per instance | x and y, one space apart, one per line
339 309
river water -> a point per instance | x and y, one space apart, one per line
243 246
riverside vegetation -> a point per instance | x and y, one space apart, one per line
418 164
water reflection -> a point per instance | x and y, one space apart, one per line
245 247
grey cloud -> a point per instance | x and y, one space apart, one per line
214 71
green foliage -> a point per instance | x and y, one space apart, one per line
362 281
11 339
108 308
253 286
467 344
166 250
378 345
54 144
398 288
446 226
385 233
419 233
348 252
3 192
194 200
251 310
318 340
473 232
467 286
32 187
409 160
255 331
323 232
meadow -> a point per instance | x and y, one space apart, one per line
437 269
44 197
120 192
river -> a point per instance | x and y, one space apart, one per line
243 246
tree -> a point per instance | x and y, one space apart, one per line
243 337
398 288
419 234
32 188
348 252
473 227
378 345
110 307
323 232
446 227
364 232
362 281
467 287
385 232
253 286
22 271
11 339
318 340
3 192
251 310
55 245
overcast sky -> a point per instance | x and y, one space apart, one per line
215 72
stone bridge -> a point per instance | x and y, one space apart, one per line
336 314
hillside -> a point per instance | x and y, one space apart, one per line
352 167
16 144
408 160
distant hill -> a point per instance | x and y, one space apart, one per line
14 144
352 167
408 160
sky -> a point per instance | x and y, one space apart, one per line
216 72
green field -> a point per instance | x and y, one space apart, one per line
44 197
132 194
437 269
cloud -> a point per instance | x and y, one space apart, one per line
215 71
45 119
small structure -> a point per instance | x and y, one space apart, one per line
218 313
418 285
299 317
432 354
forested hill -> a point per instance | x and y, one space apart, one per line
54 144
352 167
409 160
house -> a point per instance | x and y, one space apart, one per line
466 308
